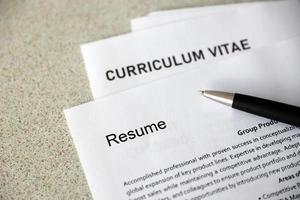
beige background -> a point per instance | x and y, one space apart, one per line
42 73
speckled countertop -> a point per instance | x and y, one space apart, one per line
42 73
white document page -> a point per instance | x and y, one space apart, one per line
165 141
164 17
127 61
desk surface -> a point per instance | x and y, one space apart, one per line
42 72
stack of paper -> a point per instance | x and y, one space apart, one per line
150 135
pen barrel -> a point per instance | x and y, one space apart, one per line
266 108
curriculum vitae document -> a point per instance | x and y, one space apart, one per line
126 61
165 141
168 16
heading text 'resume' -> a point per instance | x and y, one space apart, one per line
133 134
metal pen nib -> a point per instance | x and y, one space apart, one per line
225 98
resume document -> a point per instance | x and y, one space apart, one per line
164 141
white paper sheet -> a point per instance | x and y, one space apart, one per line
168 16
258 26
196 149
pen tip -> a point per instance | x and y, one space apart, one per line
201 91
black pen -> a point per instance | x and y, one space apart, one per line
262 107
